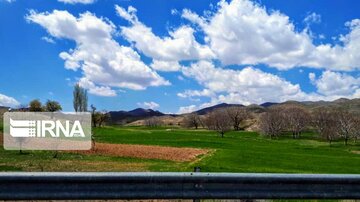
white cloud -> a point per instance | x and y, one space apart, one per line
196 93
149 105
312 18
7 101
335 84
243 32
246 86
166 66
252 85
312 77
101 59
96 90
77 1
48 39
187 109
179 45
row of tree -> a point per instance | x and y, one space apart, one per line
80 104
220 120
49 106
330 123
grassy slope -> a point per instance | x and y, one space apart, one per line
237 152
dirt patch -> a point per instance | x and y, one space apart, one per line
147 152
355 152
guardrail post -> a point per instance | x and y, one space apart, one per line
196 170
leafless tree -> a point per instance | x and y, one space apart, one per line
218 120
272 122
192 121
102 118
153 122
356 129
345 124
324 121
237 115
296 119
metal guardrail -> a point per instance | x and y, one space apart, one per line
48 186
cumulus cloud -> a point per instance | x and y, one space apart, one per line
166 66
179 45
335 84
149 105
312 77
96 90
8 101
248 85
101 59
253 86
77 1
187 109
245 33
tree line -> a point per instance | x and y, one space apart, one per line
80 104
220 120
330 123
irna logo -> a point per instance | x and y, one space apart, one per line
47 131
43 128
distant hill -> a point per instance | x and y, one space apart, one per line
144 112
137 116
351 104
268 104
222 105
254 108
122 117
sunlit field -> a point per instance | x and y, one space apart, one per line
235 152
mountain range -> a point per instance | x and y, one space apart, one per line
123 117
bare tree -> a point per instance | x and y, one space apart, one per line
324 121
345 124
296 119
237 115
356 129
272 122
102 117
80 99
153 122
192 121
218 120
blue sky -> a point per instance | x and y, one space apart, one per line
178 56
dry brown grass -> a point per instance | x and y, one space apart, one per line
147 152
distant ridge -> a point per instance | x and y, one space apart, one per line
133 115
268 104
222 105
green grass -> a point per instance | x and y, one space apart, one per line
236 152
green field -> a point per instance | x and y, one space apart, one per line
236 152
